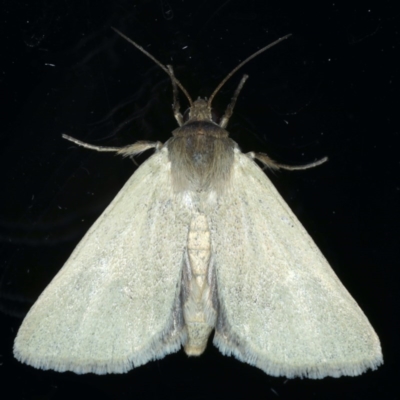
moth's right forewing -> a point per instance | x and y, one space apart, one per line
282 308
115 304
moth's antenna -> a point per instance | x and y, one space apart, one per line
163 67
243 63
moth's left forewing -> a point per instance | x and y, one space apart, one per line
281 306
115 304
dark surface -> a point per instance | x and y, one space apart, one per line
331 90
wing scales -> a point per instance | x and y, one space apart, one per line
115 304
282 308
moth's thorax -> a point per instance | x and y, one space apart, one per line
201 155
200 128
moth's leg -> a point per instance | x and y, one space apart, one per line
270 163
130 150
175 106
231 105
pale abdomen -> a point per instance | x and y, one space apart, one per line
199 312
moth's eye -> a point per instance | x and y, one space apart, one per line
215 116
186 115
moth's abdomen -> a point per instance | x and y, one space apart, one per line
198 310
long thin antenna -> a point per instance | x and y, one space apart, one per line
243 63
163 67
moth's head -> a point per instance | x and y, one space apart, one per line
200 110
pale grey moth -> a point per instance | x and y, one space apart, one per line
198 240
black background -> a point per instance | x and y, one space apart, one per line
330 90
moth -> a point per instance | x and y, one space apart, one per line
198 240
